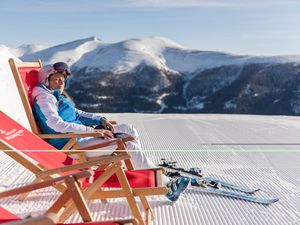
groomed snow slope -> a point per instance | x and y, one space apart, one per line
186 138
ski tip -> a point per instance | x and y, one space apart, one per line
253 191
270 201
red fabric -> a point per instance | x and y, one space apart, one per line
29 77
68 161
136 178
20 138
6 216
91 223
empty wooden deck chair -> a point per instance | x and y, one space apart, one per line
26 78
128 184
72 193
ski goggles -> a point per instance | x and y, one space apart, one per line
61 67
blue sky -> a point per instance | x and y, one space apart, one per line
261 27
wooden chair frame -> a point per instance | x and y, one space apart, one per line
14 68
72 193
72 143
111 166
50 219
93 191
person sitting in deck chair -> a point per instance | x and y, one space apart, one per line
56 113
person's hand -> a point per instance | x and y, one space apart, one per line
107 125
106 134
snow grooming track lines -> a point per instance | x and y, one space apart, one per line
269 171
246 197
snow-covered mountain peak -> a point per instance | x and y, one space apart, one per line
69 52
77 43
155 43
159 52
93 38
26 49
91 53
127 55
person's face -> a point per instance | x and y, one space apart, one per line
57 82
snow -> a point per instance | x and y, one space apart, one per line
197 102
295 105
27 49
230 104
10 101
127 55
248 90
162 53
189 139
70 52
161 102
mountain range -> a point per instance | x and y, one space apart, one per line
155 74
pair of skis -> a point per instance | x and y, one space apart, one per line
214 186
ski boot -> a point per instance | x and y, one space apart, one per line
176 186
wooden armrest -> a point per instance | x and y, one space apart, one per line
113 122
52 218
107 142
97 162
78 135
128 138
154 169
46 183
70 135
